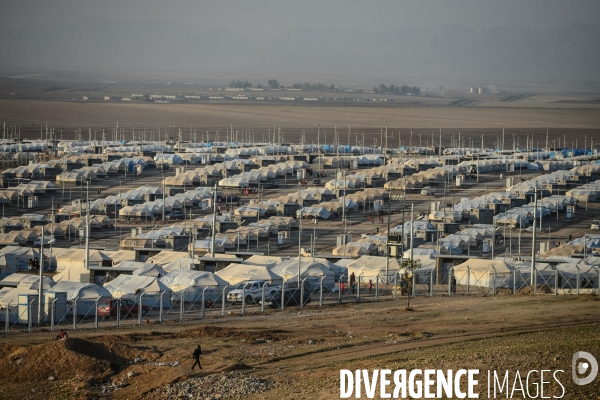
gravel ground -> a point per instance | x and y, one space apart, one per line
234 385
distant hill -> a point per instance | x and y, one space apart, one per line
569 52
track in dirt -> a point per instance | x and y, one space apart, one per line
328 357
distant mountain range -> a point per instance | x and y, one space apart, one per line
569 52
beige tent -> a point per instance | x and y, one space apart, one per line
120 255
263 260
76 258
355 249
165 257
369 267
477 272
12 238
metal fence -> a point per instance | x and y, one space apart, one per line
194 304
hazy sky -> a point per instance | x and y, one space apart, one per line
264 18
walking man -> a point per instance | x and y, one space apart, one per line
196 357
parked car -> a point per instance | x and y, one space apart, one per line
595 225
252 291
316 181
108 308
291 298
176 215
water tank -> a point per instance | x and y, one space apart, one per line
473 89
481 90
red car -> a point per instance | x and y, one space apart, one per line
128 308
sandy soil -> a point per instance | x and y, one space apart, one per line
301 351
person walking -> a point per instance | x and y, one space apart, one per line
453 285
352 282
196 357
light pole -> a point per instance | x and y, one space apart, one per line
314 238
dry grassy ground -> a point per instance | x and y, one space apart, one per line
64 115
300 353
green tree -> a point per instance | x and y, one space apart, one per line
273 84
409 266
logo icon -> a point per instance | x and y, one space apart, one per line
589 366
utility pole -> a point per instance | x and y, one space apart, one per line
412 223
387 237
41 285
532 272
299 243
214 224
319 157
87 229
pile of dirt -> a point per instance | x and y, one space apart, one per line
541 289
68 358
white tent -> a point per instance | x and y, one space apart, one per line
167 256
183 264
14 258
136 287
149 269
483 273
310 271
189 285
236 273
25 280
369 267
86 295
263 260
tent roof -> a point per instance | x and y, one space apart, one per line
81 290
124 285
263 260
166 257
178 278
371 265
479 264
235 273
25 280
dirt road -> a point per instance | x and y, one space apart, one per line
300 352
